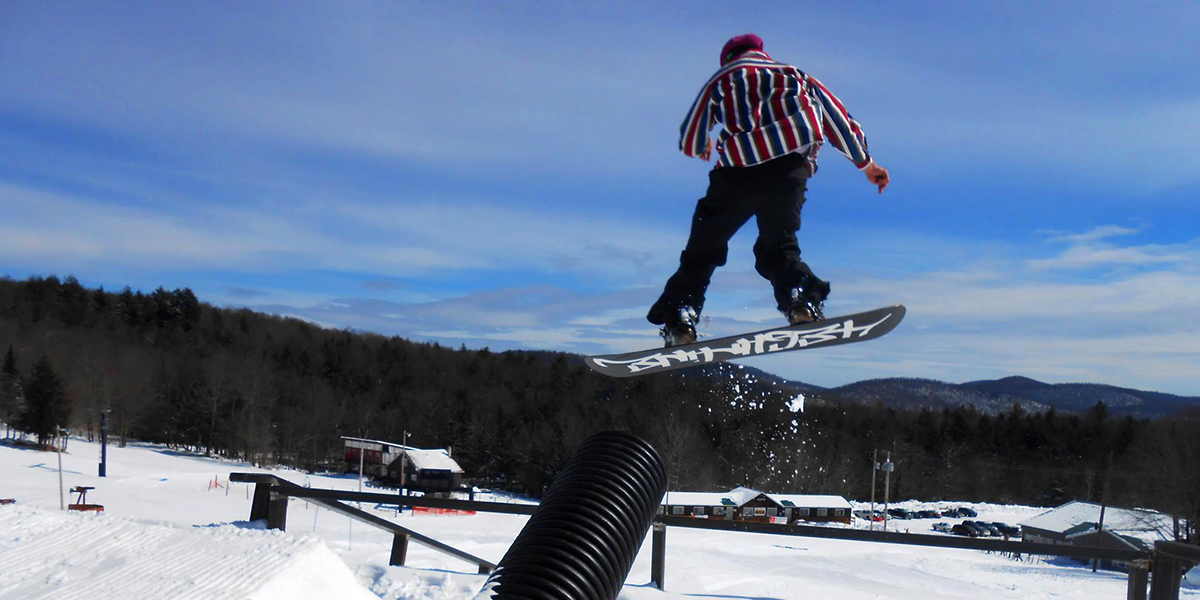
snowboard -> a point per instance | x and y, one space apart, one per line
858 327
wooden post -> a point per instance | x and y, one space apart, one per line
1103 505
1168 575
1139 575
399 550
404 466
277 507
658 554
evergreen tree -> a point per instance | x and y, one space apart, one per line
46 405
10 389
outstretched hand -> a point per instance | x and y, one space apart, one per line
707 154
877 175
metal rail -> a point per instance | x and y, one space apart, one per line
1170 558
912 539
422 501
270 502
1165 563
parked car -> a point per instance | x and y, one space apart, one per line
1006 529
976 528
991 529
928 514
963 529
943 527
899 513
964 511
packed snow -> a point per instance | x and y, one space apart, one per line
173 526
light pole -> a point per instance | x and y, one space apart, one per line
874 468
104 443
887 467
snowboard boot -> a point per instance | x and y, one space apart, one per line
801 308
680 328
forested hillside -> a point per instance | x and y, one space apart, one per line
999 395
237 383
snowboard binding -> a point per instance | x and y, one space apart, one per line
680 328
802 309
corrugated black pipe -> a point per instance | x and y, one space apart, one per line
581 542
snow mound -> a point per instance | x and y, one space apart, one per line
1192 579
48 554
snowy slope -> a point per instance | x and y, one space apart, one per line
170 495
53 554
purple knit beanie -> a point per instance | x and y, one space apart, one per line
739 43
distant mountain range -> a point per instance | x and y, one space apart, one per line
999 395
987 396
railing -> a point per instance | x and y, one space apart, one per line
1168 558
1166 562
271 494
395 499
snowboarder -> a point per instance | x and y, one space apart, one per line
775 119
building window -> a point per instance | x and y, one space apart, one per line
760 512
771 512
801 512
822 512
699 510
747 511
677 510
718 510
660 509
841 512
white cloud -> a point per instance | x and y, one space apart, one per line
967 322
48 230
1095 235
1090 250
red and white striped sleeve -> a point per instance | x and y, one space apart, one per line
693 134
840 128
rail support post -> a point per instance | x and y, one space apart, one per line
658 554
399 550
1139 576
262 498
277 507
1168 575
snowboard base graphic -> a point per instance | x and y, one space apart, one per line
849 329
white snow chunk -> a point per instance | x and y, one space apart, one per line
797 403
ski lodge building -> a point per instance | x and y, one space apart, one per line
425 470
1078 523
746 504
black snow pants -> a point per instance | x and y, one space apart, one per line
772 193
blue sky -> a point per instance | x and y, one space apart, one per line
506 174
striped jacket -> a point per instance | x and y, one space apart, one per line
769 109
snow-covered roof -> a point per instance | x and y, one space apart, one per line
432 460
698 499
355 442
741 495
810 500
735 497
1076 517
424 460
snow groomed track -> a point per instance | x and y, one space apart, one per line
48 554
